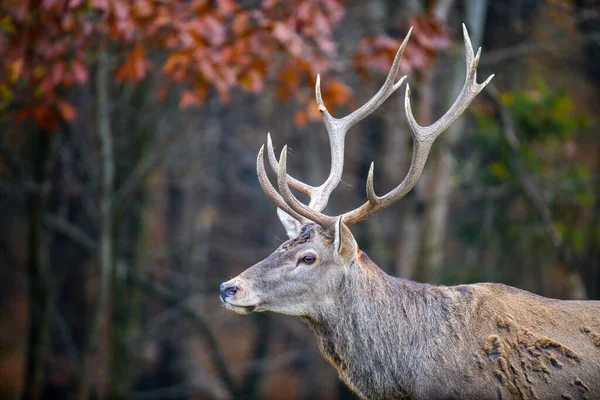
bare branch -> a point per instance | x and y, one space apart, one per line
202 324
74 233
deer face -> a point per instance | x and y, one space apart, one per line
301 274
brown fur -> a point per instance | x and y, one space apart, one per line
391 338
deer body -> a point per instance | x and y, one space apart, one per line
390 338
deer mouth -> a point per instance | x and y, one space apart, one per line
242 310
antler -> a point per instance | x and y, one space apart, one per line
423 138
336 129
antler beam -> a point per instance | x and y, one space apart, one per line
423 138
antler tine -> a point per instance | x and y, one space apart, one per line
290 219
423 138
318 195
293 182
287 195
384 92
470 89
337 129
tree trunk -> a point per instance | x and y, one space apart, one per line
251 386
590 267
412 226
130 238
105 254
39 281
440 176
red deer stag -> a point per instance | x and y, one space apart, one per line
392 338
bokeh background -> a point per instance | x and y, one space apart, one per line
128 139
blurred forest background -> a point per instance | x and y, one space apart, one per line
128 139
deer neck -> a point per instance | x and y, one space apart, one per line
377 328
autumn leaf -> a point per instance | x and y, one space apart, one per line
188 98
135 67
201 89
163 92
176 60
227 7
206 45
290 76
241 23
75 3
251 81
337 92
100 4
14 70
300 119
143 8
58 73
45 116
67 111
79 71
268 4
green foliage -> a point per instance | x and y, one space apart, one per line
544 120
545 123
542 113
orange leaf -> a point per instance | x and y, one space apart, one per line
338 92
135 66
58 72
227 7
100 4
289 76
199 6
67 111
240 23
223 93
300 119
143 8
268 4
14 70
80 71
75 3
45 116
176 60
123 72
163 92
68 22
201 90
188 98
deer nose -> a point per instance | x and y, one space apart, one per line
228 290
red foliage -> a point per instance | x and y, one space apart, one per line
49 45
428 37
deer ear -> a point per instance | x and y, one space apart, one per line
344 244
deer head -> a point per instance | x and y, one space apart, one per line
299 276
304 272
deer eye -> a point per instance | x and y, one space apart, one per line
308 259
